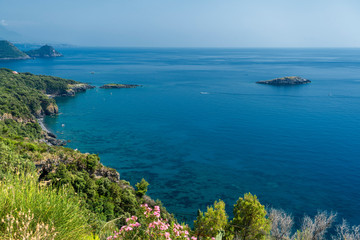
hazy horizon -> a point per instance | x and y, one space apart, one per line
184 24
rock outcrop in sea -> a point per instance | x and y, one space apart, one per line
115 85
285 81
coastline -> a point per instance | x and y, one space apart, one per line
42 125
19 58
49 137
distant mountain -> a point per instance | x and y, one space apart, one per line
45 51
9 35
8 51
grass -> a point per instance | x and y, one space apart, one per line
26 208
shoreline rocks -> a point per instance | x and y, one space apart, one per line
49 137
285 81
76 88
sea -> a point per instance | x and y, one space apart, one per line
200 129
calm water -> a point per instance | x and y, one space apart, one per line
297 148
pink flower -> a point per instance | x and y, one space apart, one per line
157 214
128 228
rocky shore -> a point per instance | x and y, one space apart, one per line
75 88
49 137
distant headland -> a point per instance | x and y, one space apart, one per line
45 51
9 51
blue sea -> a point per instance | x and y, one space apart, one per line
200 129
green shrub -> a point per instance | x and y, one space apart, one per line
142 187
250 220
211 223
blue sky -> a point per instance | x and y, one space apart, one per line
186 23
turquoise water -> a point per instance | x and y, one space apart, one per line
200 129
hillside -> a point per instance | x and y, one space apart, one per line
8 51
45 51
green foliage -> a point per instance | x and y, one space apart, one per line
16 130
92 161
12 161
105 198
59 210
22 95
211 223
142 187
250 220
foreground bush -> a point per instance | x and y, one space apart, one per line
211 223
31 211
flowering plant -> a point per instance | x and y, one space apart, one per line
152 227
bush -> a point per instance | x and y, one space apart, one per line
211 223
151 226
142 188
250 220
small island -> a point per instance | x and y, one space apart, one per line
285 81
45 51
116 85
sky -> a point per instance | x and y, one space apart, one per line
185 23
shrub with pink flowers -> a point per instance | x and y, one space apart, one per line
151 226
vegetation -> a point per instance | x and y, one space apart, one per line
212 223
142 187
9 51
250 220
28 211
23 95
150 226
